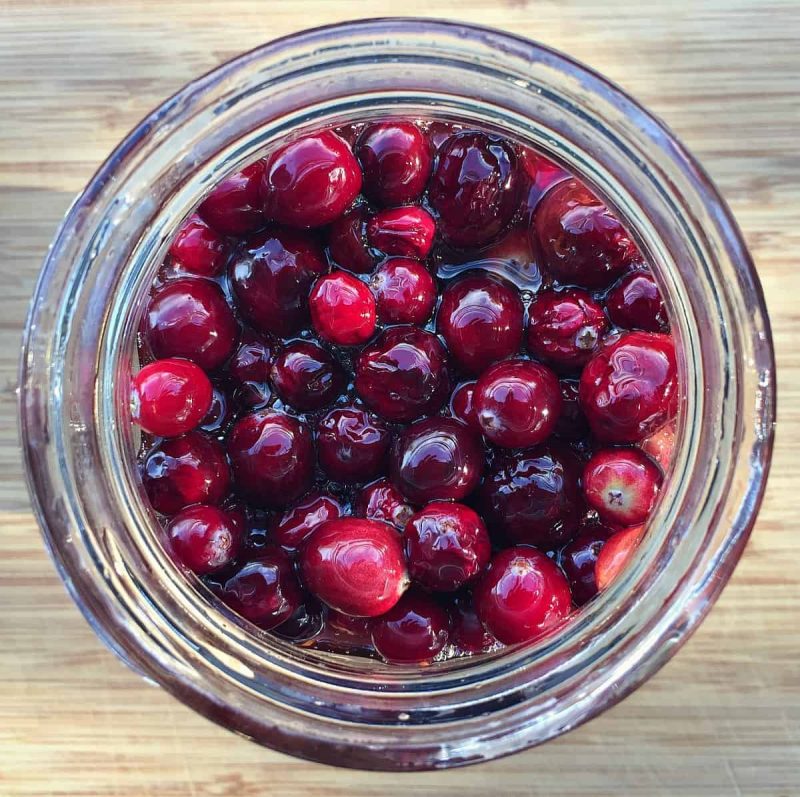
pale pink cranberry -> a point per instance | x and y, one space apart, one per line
204 538
234 206
572 424
347 242
342 309
381 500
468 635
635 303
462 406
307 377
295 525
352 445
197 249
616 553
405 291
406 231
660 446
578 562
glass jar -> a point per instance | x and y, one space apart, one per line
80 448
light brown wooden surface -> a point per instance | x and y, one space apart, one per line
723 718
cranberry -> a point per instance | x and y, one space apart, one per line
220 414
170 397
635 303
311 181
406 231
381 500
622 485
480 318
514 256
198 249
522 595
630 387
660 446
541 173
572 424
191 469
342 309
355 566
582 242
396 160
251 361
468 635
204 538
405 292
462 406
234 206
403 374
295 525
351 445
347 242
578 562
272 458
447 546
565 328
517 403
437 458
189 317
306 376
615 554
414 631
474 188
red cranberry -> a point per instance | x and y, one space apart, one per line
220 414
565 328
660 446
447 546
468 635
342 309
517 403
462 406
191 318
405 292
191 469
310 181
403 374
251 361
635 303
582 242
355 566
351 445
198 249
436 459
474 188
204 538
170 397
615 554
396 160
406 232
306 376
572 424
622 485
272 458
295 525
578 561
234 206
480 318
381 500
541 173
630 387
522 595
414 631
347 242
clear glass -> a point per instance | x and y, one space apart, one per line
79 445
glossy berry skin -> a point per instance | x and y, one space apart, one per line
198 249
355 566
252 359
406 231
462 406
572 424
660 446
381 500
436 459
468 635
310 181
414 631
480 318
271 277
615 554
515 256
190 469
234 206
635 303
578 561
629 388
190 317
396 161
347 242
405 291
447 546
204 538
474 188
306 377
295 525
272 457
351 445
170 397
517 403
220 413
342 309
403 374
622 485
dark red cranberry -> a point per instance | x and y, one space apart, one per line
414 631
352 445
220 414
170 397
630 387
635 303
191 469
347 242
565 328
252 359
541 174
582 241
436 459
190 317
517 403
480 318
447 546
396 160
514 256
306 376
407 231
355 566
405 291
295 525
578 561
474 188
311 181
234 206
307 621
622 484
572 424
381 500
468 636
204 538
462 406
342 309
272 458
403 374
616 553
198 249
238 514
660 446
522 595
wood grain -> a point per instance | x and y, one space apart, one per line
723 718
